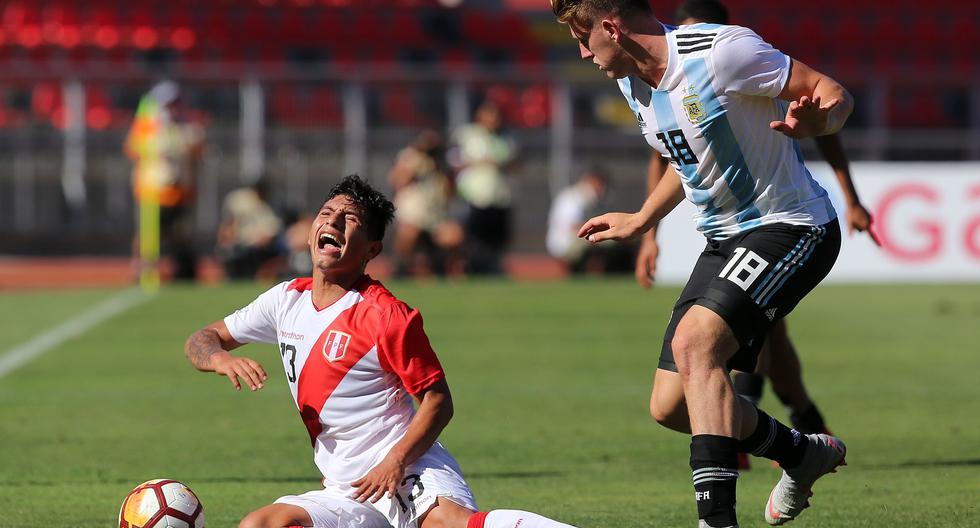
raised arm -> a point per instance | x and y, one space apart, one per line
209 350
625 226
435 409
818 105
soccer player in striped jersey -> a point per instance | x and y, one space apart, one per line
355 357
711 99
778 358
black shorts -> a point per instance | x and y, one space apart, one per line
754 279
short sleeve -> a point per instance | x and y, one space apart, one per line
404 349
257 322
746 64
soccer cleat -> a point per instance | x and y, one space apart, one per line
790 496
702 524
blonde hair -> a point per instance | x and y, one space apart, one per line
586 12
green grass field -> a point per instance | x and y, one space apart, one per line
550 381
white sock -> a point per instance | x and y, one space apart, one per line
516 519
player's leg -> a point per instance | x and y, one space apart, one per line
435 495
667 404
324 508
277 516
750 385
788 262
765 273
702 345
787 382
448 514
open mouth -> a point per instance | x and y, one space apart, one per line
326 239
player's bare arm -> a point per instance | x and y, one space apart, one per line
856 215
209 350
626 226
818 105
646 256
435 410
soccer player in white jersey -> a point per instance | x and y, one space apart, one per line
355 357
778 359
709 97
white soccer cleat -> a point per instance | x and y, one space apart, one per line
702 524
791 494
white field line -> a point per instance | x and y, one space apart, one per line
74 327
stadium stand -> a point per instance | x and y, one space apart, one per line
274 36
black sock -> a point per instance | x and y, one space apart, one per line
749 386
714 467
808 421
775 441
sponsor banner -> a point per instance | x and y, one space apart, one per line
927 218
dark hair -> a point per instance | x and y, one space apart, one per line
587 11
710 11
378 211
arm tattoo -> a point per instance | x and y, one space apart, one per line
200 346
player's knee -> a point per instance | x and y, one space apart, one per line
253 520
267 518
446 515
663 413
695 352
670 413
689 352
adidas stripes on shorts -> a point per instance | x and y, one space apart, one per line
753 279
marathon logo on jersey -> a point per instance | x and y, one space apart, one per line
335 346
693 106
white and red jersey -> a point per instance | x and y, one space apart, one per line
351 366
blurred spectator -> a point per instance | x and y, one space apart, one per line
297 240
423 193
571 208
482 155
166 152
249 234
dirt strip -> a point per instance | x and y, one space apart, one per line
29 273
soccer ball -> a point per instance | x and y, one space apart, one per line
161 503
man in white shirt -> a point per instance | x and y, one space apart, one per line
354 357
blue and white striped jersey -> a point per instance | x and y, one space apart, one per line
710 116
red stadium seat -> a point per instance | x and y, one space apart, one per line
406 29
326 107
141 30
916 109
454 59
535 106
61 26
102 28
365 27
398 107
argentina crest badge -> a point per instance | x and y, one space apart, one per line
693 106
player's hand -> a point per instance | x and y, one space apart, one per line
860 220
646 262
611 226
235 367
382 480
805 118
